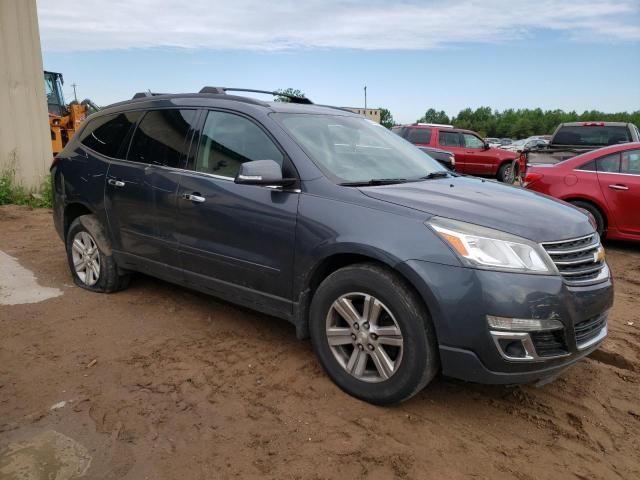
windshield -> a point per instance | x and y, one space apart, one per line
353 149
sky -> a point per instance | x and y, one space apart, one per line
411 54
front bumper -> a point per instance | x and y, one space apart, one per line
459 299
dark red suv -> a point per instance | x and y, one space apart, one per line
473 155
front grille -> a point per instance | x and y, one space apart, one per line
590 328
578 260
549 343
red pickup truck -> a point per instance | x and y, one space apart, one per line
473 155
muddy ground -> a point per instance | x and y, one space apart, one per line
182 386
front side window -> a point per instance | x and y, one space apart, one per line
161 138
419 135
449 139
228 140
106 133
471 141
352 149
630 162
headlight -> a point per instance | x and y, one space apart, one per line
482 247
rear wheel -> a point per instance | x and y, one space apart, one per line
372 334
595 212
90 259
507 172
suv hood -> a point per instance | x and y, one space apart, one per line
490 204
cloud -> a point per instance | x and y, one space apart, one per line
72 25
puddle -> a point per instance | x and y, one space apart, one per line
18 285
47 456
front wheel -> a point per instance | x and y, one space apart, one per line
373 335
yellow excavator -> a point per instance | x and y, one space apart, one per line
64 119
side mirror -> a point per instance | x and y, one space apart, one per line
487 146
262 172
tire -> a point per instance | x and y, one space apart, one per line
413 353
88 245
506 173
595 211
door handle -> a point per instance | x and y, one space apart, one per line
619 187
193 197
115 183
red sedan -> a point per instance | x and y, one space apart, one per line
605 182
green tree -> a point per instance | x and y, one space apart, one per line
432 116
386 119
288 91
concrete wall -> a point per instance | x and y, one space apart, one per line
25 141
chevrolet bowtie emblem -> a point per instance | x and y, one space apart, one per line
599 255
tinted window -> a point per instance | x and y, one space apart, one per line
589 166
630 162
609 163
161 137
449 139
592 135
105 134
471 141
419 135
229 140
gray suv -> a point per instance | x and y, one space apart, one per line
395 267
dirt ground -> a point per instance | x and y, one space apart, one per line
164 383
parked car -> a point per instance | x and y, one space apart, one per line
574 138
493 142
530 143
505 141
395 268
605 182
473 155
446 159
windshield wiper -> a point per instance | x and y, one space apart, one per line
438 174
374 181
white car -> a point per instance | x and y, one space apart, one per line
526 144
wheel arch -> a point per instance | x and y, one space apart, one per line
72 211
601 208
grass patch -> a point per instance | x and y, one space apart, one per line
13 193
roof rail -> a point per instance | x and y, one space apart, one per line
146 94
435 125
224 90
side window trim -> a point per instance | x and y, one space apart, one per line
200 129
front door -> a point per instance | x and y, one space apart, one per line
619 178
478 159
236 241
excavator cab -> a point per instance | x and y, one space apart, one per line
53 89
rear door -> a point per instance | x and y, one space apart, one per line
619 178
451 141
419 136
236 241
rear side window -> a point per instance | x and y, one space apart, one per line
589 166
162 138
105 134
419 135
228 140
449 139
600 136
609 163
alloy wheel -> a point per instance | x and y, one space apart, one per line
86 258
364 337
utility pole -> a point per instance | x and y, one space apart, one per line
365 99
74 92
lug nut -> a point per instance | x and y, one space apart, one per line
370 347
366 325
374 336
360 347
353 336
356 326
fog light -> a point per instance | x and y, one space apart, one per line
523 324
513 348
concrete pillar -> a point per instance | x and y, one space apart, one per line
25 141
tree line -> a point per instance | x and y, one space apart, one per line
521 123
